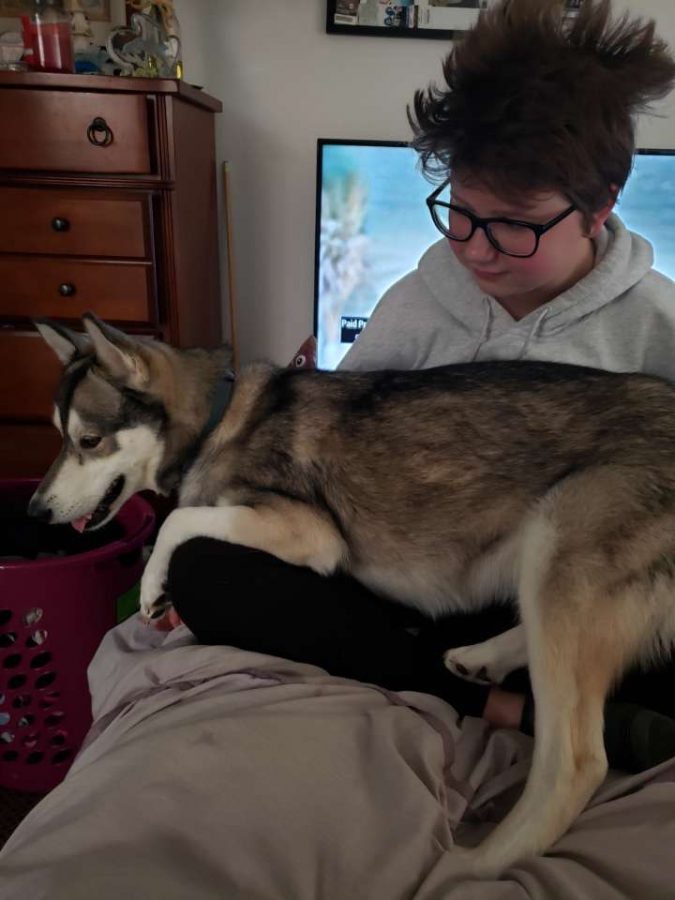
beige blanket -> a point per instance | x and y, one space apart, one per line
216 773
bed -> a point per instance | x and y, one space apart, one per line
212 772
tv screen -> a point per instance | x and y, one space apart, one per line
372 226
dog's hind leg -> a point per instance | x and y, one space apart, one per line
571 676
292 531
586 619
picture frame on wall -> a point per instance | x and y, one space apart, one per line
440 19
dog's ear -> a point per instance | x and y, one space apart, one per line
65 343
117 353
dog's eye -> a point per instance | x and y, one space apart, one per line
89 441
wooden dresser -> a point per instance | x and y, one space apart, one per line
108 203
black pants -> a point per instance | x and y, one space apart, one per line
232 595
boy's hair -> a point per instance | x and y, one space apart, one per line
537 101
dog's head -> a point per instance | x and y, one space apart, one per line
111 422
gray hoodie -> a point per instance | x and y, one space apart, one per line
620 317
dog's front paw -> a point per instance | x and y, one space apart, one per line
474 664
153 601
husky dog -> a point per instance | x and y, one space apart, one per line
442 488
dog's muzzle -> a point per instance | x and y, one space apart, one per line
39 510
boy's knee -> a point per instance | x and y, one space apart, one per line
201 560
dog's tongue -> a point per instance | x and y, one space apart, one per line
81 523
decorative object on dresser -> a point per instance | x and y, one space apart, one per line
109 203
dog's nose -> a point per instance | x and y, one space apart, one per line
39 510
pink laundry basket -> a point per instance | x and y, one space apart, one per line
54 610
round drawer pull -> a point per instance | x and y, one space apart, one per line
99 132
66 289
59 224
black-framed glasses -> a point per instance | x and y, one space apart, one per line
509 236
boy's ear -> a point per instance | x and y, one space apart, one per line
599 218
65 343
117 353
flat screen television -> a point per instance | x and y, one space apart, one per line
372 226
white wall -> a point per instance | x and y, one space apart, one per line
284 83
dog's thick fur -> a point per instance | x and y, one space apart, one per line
442 488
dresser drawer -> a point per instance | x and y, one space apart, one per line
29 375
66 288
55 131
77 222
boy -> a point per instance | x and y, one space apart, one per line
536 125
